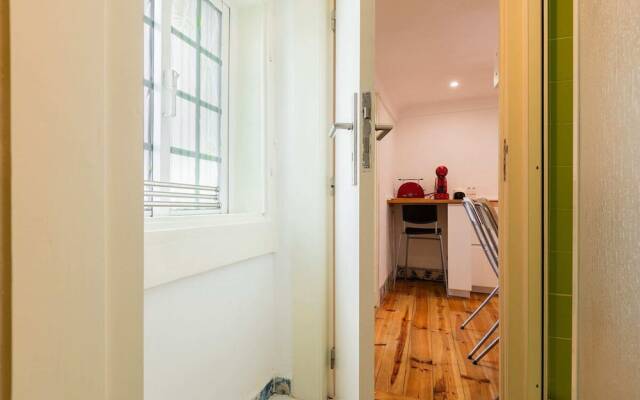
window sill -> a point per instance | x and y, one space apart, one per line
179 247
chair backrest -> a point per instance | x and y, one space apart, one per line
474 211
422 214
487 217
491 213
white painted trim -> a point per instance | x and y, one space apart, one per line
172 254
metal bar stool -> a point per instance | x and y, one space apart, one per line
487 218
484 222
420 215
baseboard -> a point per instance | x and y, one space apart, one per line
276 385
385 288
482 289
424 274
421 274
459 293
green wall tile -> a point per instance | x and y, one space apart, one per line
560 18
560 275
559 369
561 102
560 224
561 51
559 316
561 145
560 230
560 187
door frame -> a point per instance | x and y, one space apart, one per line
521 199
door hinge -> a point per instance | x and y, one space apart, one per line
505 152
332 358
333 20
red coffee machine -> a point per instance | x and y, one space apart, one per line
441 183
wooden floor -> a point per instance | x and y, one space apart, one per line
421 351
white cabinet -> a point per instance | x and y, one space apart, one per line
483 279
469 268
459 251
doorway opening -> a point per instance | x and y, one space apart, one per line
436 83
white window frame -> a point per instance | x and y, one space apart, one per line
167 97
181 246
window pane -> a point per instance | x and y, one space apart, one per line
183 17
183 60
183 125
152 36
210 86
147 53
209 173
209 132
211 28
183 169
147 8
147 114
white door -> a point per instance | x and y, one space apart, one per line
355 255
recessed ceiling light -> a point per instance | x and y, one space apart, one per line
454 84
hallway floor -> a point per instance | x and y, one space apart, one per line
421 351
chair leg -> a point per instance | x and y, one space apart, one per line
486 350
406 258
396 263
484 303
444 266
483 340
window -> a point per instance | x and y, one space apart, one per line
186 59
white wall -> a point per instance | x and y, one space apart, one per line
211 321
461 135
247 166
302 113
466 141
212 336
386 157
225 331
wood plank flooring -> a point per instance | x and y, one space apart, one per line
421 352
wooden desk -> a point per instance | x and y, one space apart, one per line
468 269
418 201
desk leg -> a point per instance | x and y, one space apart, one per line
394 237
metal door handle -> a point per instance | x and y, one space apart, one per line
340 125
384 130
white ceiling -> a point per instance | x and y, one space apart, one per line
422 45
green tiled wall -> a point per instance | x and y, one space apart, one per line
560 194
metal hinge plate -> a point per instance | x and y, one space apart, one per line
333 20
367 128
505 153
332 358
